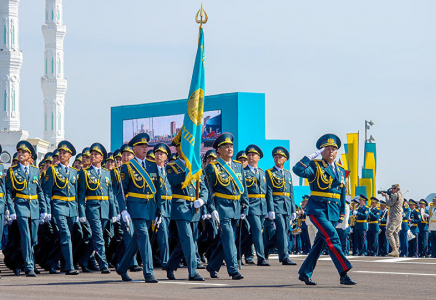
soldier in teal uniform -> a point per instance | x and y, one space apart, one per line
326 206
414 220
280 193
26 202
404 244
78 161
382 239
228 203
423 229
185 211
55 160
137 191
257 187
163 199
305 240
373 227
96 201
61 188
150 155
361 228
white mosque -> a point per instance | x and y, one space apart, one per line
53 82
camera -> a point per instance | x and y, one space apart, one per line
388 192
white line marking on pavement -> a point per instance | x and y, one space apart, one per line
394 273
187 283
391 260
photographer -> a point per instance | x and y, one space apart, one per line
394 200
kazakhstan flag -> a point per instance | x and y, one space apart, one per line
190 134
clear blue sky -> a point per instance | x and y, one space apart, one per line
325 66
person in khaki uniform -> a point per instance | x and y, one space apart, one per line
395 203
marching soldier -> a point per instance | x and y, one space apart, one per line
414 220
96 201
280 193
26 202
404 244
423 229
228 203
183 210
326 206
382 239
361 228
257 187
61 187
373 227
136 191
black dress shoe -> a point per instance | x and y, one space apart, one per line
237 276
263 262
86 270
170 274
250 262
124 276
17 271
93 267
135 269
200 267
72 272
36 271
306 280
53 271
288 262
213 274
105 271
31 273
151 279
196 277
346 280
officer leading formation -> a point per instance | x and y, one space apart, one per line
131 211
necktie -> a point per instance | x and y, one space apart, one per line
143 164
66 170
26 172
98 173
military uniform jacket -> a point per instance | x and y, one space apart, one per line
415 219
324 183
182 203
96 198
24 197
384 217
61 190
116 186
42 184
280 191
257 189
406 216
2 190
362 218
373 219
423 225
139 197
163 193
224 195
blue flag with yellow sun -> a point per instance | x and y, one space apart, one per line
190 134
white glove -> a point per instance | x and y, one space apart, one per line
126 217
48 217
271 215
198 203
7 214
355 212
113 219
404 214
243 216
10 221
216 216
315 154
204 217
118 217
293 216
41 221
13 217
427 215
77 219
157 221
82 220
42 216
208 216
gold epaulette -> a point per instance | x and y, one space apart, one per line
153 161
237 161
74 169
324 164
105 169
213 162
34 167
127 162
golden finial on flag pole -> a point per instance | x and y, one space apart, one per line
202 13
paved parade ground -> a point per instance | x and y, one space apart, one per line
377 278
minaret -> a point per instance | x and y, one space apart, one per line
11 60
53 83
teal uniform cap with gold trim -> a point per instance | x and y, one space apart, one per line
55 152
374 199
110 156
150 154
355 200
26 146
15 157
41 164
382 202
48 156
174 156
126 148
225 138
254 149
67 146
99 148
363 197
423 201
411 201
86 152
139 139
280 151
210 153
163 148
117 153
241 154
328 139
78 157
